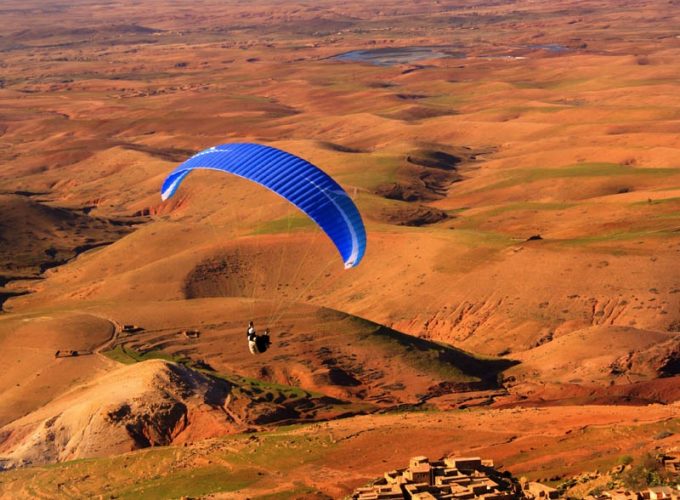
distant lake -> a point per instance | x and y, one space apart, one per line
550 47
391 56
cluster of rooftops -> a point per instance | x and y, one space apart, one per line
451 478
473 477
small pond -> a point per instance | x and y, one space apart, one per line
550 47
391 56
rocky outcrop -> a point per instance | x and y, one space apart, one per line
146 404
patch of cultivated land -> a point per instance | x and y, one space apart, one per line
521 196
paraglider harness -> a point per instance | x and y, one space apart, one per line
257 344
263 341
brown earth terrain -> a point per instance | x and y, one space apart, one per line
516 166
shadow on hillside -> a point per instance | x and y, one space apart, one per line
484 369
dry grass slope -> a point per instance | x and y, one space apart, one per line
521 196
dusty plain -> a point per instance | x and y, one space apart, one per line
520 296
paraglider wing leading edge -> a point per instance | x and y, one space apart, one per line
298 181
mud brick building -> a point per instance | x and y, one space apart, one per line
451 478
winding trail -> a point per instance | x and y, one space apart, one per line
115 334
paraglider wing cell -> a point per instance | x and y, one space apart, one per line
298 181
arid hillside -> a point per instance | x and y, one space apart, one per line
329 460
517 168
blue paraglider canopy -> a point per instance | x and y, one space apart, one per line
298 181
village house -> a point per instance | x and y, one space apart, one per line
659 492
536 490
